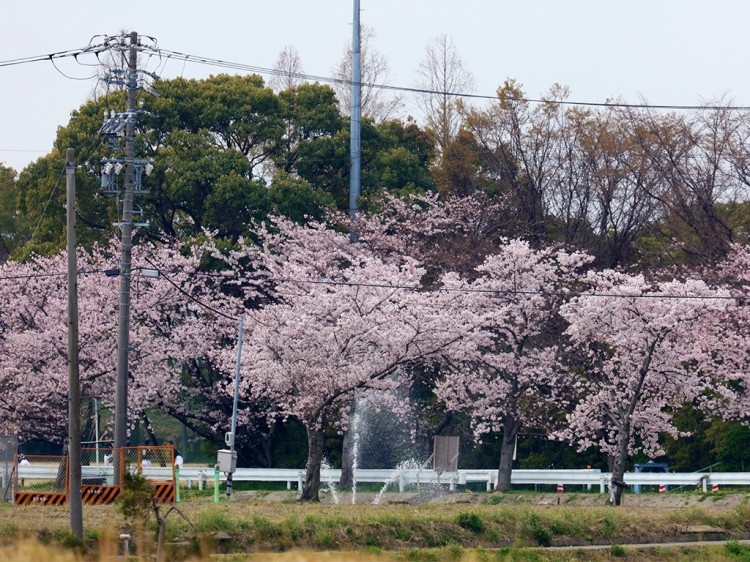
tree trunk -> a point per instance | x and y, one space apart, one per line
347 460
62 469
153 441
617 486
314 459
505 468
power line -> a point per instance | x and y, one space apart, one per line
651 296
185 57
49 200
191 297
329 79
52 193
665 296
43 58
84 79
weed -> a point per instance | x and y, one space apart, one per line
533 527
9 528
418 555
471 522
608 527
481 554
69 540
372 540
208 521
571 498
296 531
325 539
312 520
617 550
44 536
737 551
454 552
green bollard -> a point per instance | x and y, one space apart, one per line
216 484
177 483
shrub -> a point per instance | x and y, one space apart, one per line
471 522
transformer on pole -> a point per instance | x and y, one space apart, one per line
116 127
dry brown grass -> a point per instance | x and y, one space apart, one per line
264 526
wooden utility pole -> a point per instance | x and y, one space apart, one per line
74 389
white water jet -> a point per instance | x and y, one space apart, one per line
329 482
355 428
410 464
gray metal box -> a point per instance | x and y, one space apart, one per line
227 460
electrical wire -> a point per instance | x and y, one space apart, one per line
329 79
31 276
665 296
49 200
185 57
72 77
43 58
650 296
191 297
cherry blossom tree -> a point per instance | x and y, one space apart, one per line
169 332
33 346
729 343
339 320
644 344
446 234
509 377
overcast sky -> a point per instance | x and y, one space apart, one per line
675 52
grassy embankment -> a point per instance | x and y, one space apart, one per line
446 531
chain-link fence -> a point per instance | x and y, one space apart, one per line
8 449
41 479
156 464
102 465
44 479
97 466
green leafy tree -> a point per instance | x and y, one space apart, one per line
309 112
188 169
396 156
13 229
731 445
238 111
41 185
296 199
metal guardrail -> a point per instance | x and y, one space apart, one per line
404 478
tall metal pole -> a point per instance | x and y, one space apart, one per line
74 389
355 135
126 230
236 401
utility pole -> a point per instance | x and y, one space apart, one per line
126 230
74 388
116 127
229 439
347 471
355 134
